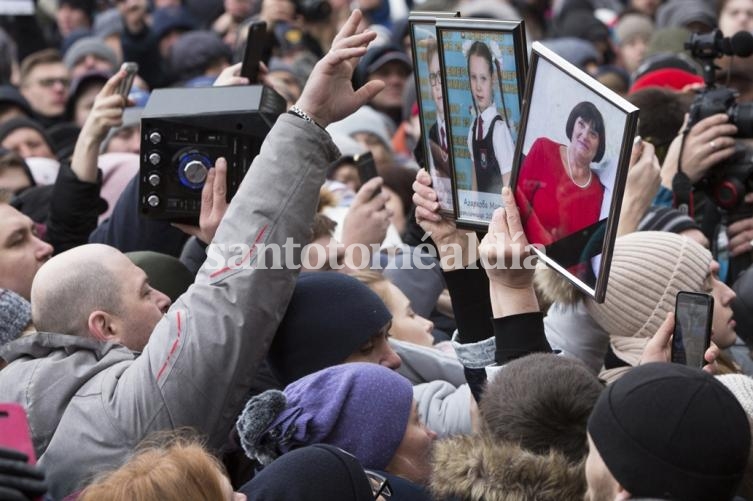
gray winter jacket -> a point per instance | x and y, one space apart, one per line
91 403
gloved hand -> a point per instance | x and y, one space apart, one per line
19 481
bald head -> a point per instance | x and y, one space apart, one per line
72 285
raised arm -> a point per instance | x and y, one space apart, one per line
201 359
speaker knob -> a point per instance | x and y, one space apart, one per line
155 137
152 200
195 172
154 158
154 179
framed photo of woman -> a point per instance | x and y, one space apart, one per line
570 168
434 140
483 65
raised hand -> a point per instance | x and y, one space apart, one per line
329 95
213 204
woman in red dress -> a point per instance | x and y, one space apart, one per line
557 192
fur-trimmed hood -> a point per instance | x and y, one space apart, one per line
476 468
554 288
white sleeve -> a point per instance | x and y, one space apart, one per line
504 149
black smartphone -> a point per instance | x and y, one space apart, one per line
131 69
694 313
366 168
257 35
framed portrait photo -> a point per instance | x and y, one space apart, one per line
434 142
571 164
483 66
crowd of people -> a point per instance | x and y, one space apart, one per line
399 356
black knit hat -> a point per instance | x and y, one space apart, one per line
669 431
329 317
24 123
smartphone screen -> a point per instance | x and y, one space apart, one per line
131 69
257 34
692 335
14 430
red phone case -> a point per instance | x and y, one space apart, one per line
14 430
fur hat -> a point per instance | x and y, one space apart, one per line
479 468
541 402
360 407
672 432
648 269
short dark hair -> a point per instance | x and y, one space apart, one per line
542 402
588 112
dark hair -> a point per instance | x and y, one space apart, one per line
542 402
588 112
482 50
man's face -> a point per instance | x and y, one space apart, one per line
238 9
394 75
70 19
46 88
723 326
141 306
26 143
377 350
126 140
602 486
85 103
22 252
435 80
91 62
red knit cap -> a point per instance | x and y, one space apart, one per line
671 78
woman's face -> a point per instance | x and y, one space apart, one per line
412 460
406 324
737 15
481 82
584 140
722 325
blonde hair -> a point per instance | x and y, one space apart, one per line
180 471
375 281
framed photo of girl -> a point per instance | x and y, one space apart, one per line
434 141
483 65
570 168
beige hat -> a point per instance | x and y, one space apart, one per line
648 269
742 387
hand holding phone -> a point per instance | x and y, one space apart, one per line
124 88
257 34
18 473
694 313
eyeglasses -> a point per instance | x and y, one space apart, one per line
380 486
434 79
49 82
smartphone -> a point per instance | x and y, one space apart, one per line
131 70
366 168
14 430
257 35
694 312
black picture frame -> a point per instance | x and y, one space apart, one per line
424 45
477 182
570 208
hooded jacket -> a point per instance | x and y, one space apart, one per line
90 403
475 468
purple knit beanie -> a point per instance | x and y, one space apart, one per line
360 407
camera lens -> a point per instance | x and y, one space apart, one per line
742 117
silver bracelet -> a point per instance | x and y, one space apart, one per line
295 110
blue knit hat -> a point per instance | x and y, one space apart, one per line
328 318
360 407
15 315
